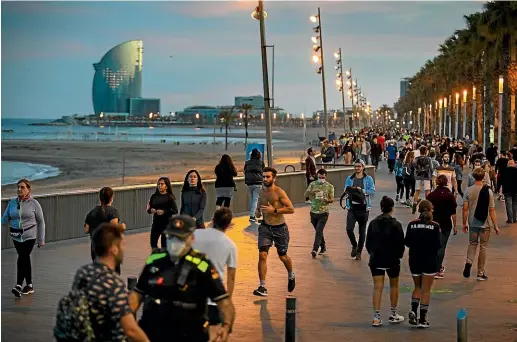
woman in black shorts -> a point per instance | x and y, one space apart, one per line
423 238
385 244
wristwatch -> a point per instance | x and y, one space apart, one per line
276 211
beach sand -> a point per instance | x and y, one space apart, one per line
92 165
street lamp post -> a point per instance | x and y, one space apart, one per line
321 70
464 123
500 116
341 86
474 113
350 93
457 116
260 14
445 110
272 75
441 115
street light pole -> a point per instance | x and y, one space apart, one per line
321 70
474 105
464 131
500 116
456 126
259 12
341 85
272 75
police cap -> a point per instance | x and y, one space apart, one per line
180 226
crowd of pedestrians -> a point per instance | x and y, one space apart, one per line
181 284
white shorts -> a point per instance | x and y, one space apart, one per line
426 184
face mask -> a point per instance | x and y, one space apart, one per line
175 246
320 181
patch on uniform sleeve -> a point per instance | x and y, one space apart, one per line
215 274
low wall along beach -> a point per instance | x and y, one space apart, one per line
65 212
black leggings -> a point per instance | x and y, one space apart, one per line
23 264
400 186
409 184
157 232
460 192
220 200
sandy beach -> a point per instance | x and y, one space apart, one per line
93 164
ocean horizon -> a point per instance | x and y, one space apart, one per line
20 129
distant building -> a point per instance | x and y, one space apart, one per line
256 101
118 78
143 107
404 86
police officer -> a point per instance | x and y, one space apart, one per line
174 287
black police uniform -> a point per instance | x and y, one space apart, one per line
175 292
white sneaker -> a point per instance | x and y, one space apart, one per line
377 322
396 318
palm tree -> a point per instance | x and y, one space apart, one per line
246 108
227 116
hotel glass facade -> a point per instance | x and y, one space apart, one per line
118 77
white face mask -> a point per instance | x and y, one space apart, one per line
175 246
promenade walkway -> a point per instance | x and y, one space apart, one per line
334 292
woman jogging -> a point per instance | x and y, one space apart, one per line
458 169
27 227
424 241
103 213
399 179
162 206
385 244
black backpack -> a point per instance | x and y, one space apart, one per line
423 167
354 195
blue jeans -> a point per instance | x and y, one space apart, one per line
365 157
511 207
254 196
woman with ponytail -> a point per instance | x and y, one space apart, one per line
423 238
103 213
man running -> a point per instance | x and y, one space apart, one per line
274 203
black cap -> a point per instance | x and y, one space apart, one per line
181 226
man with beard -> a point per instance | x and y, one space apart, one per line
448 171
274 204
108 305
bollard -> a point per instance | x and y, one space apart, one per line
461 319
290 319
131 283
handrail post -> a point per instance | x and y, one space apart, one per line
461 320
290 319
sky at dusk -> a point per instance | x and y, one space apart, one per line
206 53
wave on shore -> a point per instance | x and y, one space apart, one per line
12 172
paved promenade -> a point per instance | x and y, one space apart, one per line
333 291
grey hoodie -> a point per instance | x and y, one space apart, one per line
30 214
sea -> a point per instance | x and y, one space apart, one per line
20 129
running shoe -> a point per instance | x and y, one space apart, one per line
413 210
397 198
424 324
260 291
291 284
482 277
396 318
408 204
253 219
28 289
412 318
323 250
17 291
358 256
377 322
313 253
466 270
353 254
